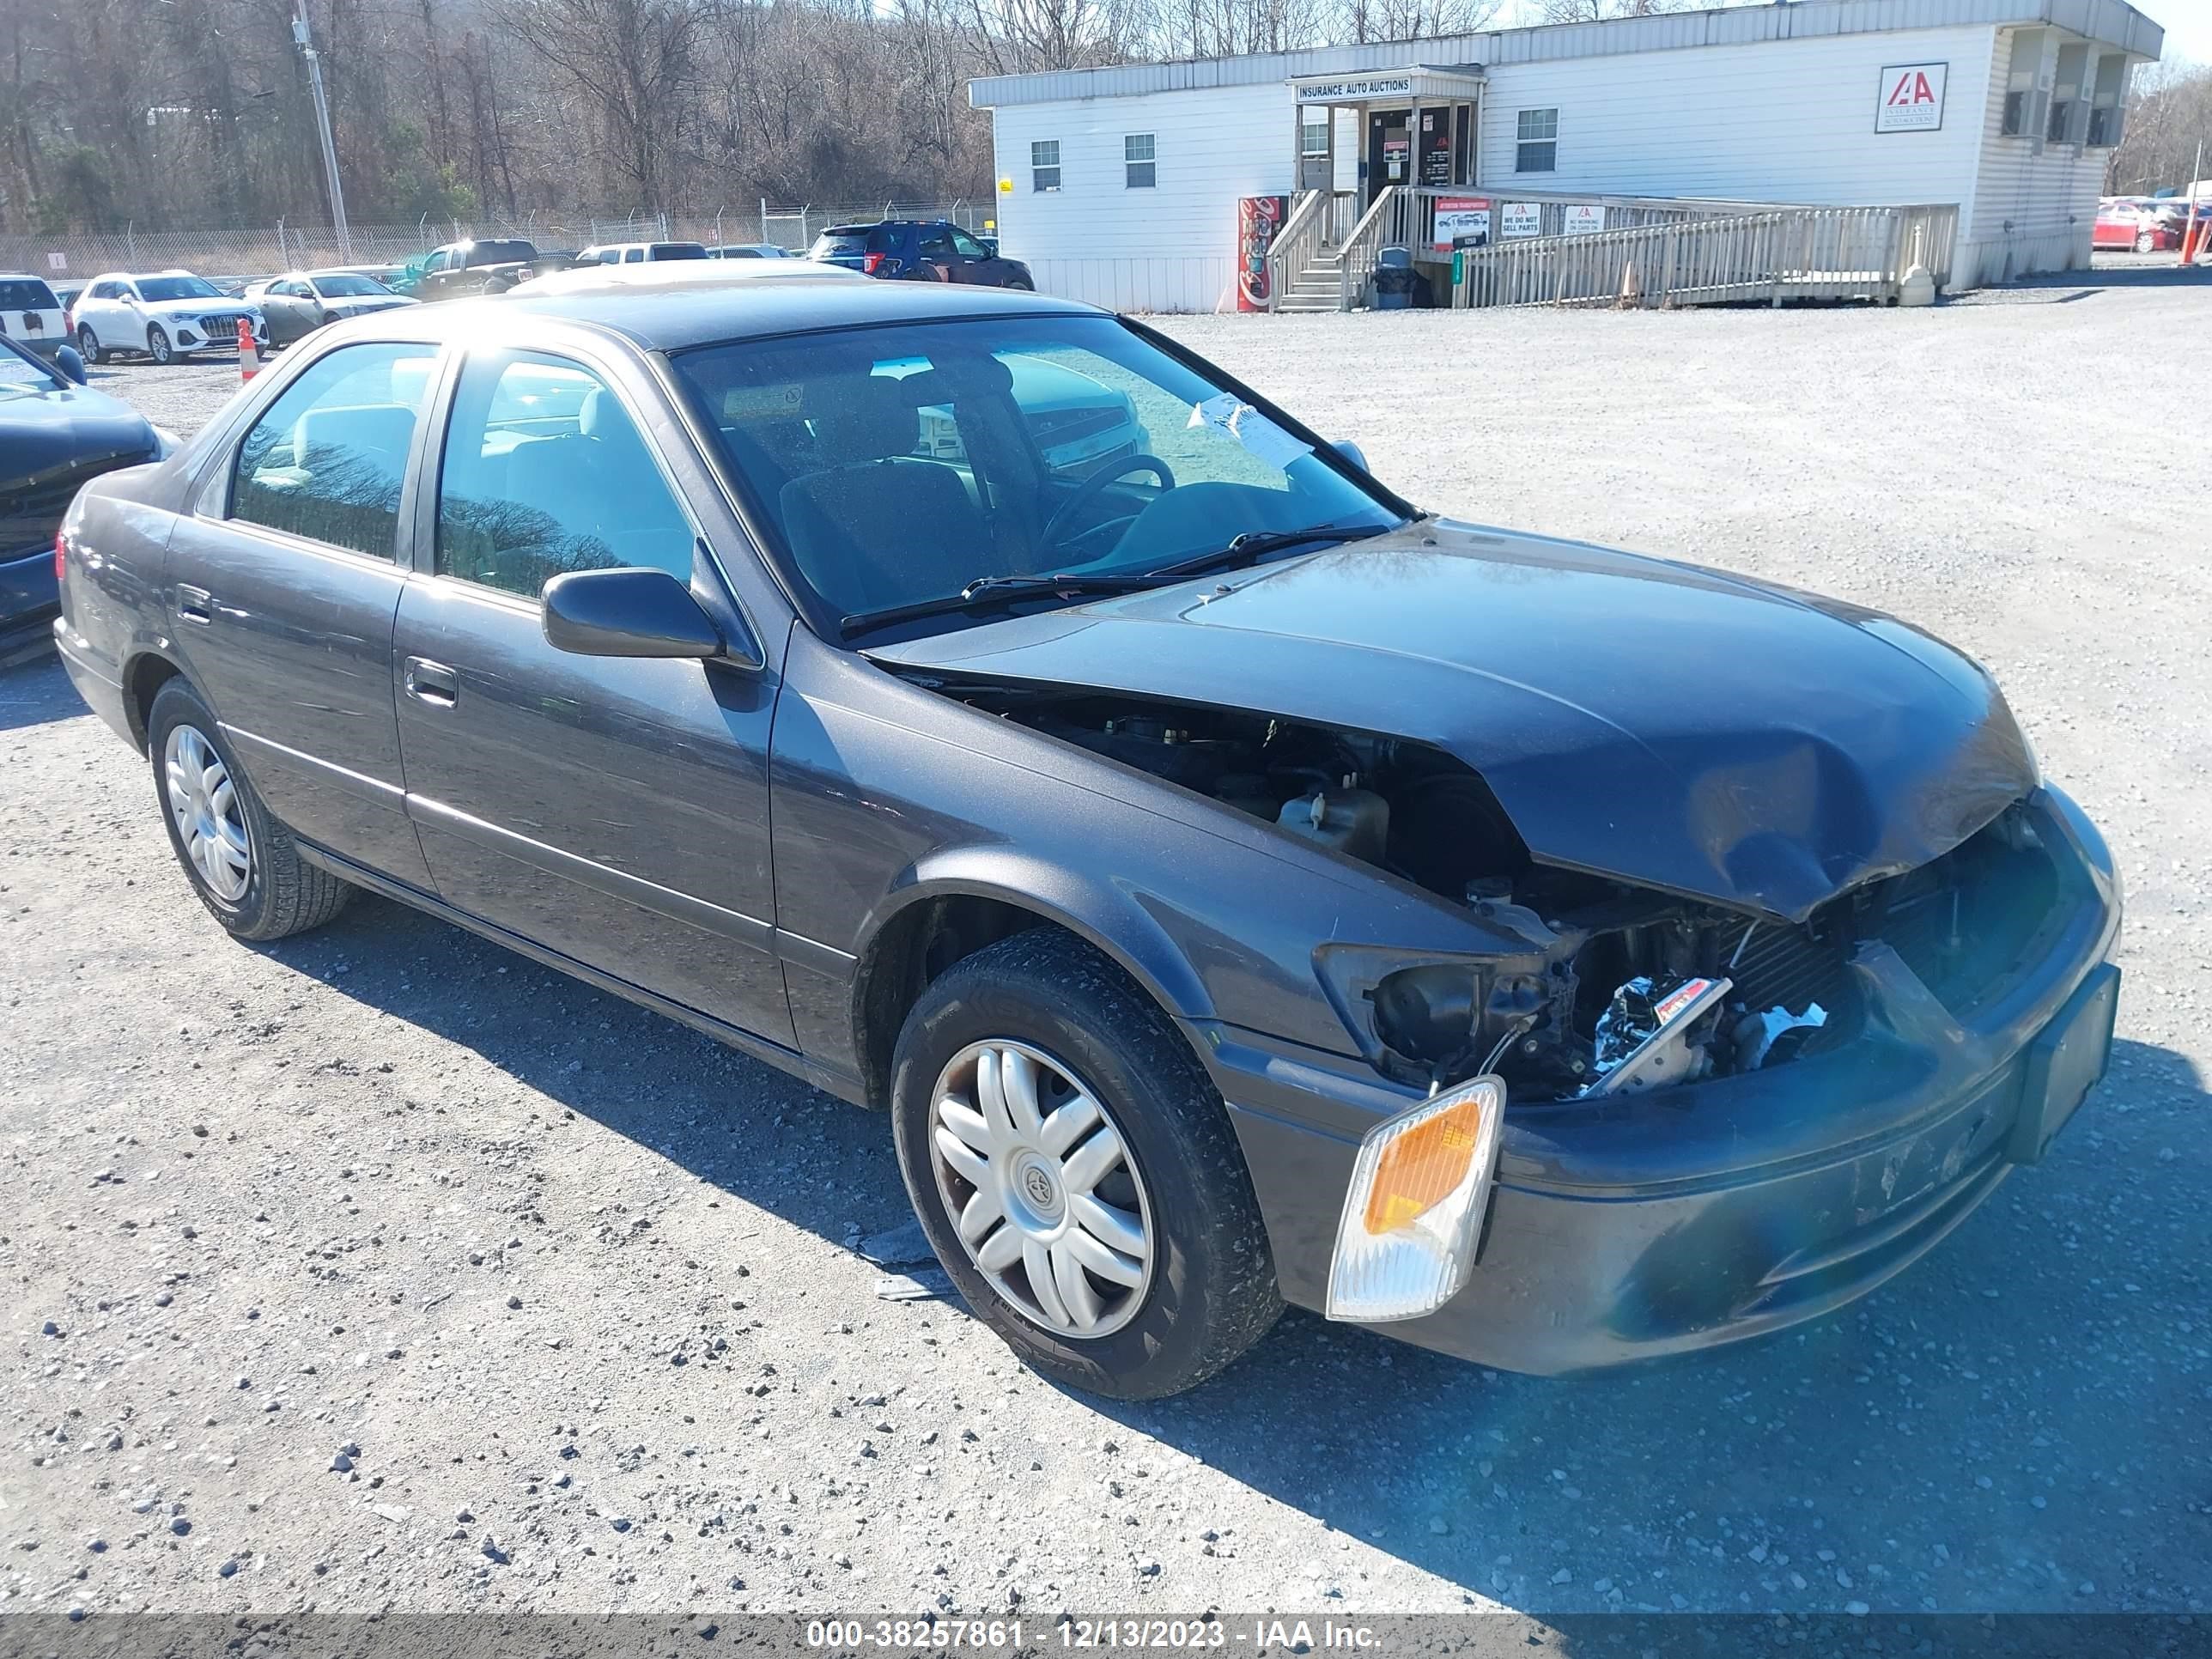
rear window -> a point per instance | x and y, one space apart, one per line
501 253
849 239
26 293
677 251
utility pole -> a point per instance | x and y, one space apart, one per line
323 123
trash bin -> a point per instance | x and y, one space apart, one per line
1395 277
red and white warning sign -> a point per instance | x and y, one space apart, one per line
1912 98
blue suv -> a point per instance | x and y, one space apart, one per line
919 250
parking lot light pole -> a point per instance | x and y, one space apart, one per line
323 125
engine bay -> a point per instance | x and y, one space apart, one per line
1600 988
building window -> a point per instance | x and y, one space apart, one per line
1313 132
1044 164
2104 113
1137 160
1538 147
2022 98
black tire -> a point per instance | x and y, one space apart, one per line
89 346
157 345
1020 285
284 894
1211 1292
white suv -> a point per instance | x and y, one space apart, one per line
168 316
633 254
30 315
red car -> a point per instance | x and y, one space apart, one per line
2129 225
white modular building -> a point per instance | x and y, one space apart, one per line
1121 184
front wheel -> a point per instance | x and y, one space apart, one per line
242 862
158 346
1075 1171
89 346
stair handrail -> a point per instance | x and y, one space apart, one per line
1294 244
1355 260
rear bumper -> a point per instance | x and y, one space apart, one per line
1708 1214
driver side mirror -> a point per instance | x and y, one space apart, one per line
1351 452
633 612
71 364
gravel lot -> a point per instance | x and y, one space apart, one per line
572 1292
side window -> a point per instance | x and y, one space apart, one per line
967 247
546 473
633 256
1536 141
937 243
326 458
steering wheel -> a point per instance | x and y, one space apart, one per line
1089 489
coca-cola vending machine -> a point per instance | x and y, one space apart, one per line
1258 220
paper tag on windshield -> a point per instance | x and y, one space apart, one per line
1262 439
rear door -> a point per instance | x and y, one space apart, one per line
283 582
30 314
615 809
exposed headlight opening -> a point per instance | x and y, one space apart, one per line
1412 1215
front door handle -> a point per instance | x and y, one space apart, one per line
431 683
194 604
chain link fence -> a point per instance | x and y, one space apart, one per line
262 251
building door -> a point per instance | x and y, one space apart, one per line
1389 151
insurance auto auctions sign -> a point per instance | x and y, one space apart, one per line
1912 98
1356 89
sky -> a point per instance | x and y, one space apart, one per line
2188 25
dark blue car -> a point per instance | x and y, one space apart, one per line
55 436
919 250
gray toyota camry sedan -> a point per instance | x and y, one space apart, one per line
1240 886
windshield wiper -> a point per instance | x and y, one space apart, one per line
986 591
1256 544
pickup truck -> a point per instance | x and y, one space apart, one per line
490 266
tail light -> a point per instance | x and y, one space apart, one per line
871 263
61 554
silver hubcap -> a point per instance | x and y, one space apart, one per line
1041 1189
209 820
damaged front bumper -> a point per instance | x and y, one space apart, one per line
1639 1226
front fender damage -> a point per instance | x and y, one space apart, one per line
1584 992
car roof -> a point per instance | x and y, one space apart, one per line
674 316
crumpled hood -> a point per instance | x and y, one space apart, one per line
45 431
1667 726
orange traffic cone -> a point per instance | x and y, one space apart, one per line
249 359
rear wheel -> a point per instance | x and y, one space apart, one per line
158 346
242 863
1075 1170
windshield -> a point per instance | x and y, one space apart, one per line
899 464
350 287
501 253
20 373
155 289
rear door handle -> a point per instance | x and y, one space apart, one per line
194 604
431 683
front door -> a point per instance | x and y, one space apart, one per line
615 809
283 584
1389 151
